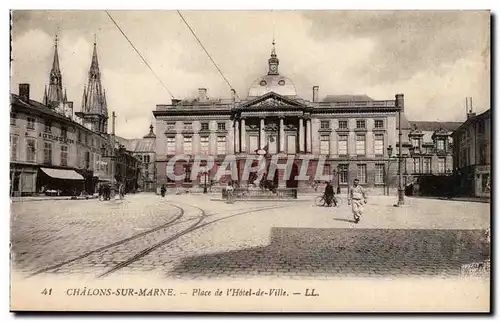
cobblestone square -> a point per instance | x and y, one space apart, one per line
190 236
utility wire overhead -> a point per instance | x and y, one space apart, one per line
138 53
206 51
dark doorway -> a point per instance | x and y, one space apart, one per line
276 178
292 182
14 183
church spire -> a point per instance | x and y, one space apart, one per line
55 92
45 98
56 71
94 107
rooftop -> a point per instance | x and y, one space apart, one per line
347 98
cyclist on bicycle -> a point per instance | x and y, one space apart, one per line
329 195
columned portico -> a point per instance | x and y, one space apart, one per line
237 136
282 135
243 136
262 133
301 135
309 136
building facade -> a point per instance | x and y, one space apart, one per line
428 150
43 140
352 132
144 151
54 149
472 155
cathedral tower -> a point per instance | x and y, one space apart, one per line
94 111
53 97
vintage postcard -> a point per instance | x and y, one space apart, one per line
250 161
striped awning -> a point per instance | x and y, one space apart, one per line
64 174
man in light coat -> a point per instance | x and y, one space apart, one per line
357 196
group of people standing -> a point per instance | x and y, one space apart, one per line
105 191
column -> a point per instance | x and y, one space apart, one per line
243 136
196 143
301 135
236 136
262 133
282 135
309 136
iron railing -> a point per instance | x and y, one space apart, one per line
249 194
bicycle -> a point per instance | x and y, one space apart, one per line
321 202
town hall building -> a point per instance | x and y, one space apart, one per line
354 133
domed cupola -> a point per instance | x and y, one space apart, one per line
273 81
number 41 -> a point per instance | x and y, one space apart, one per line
47 291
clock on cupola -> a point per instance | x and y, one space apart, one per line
273 62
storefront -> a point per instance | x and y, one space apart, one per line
63 182
482 181
23 180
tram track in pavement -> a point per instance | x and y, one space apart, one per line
197 225
169 223
174 221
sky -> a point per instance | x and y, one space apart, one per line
435 58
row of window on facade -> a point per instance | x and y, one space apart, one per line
85 159
324 124
343 124
204 145
325 141
468 133
380 170
204 126
144 158
82 137
465 155
361 171
440 144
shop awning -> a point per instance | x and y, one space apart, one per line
62 174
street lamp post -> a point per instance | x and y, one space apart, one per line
400 158
205 184
401 191
336 173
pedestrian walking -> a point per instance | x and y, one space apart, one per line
101 191
357 196
329 194
121 191
229 191
163 190
106 192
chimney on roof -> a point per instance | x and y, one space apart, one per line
468 107
315 93
24 92
202 94
400 101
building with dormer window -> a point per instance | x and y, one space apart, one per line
472 154
52 148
